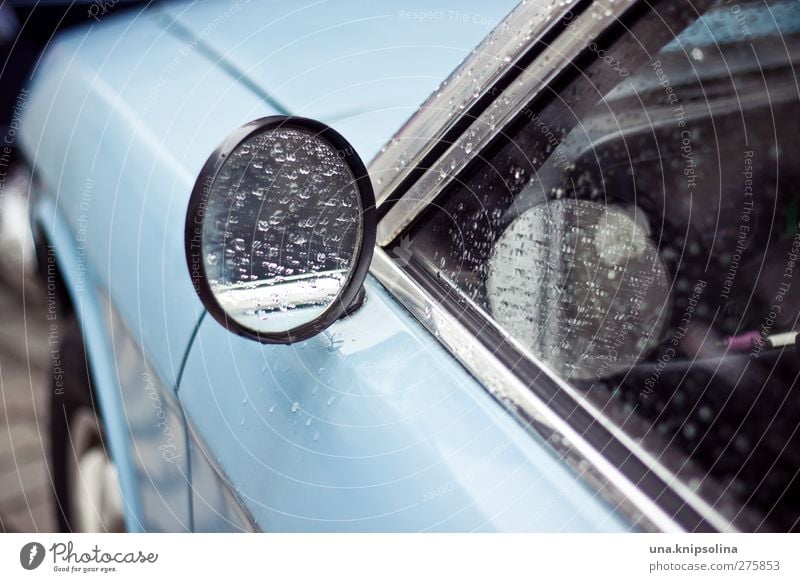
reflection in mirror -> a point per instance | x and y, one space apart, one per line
598 292
282 230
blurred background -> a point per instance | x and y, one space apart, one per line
24 367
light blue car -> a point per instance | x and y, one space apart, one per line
485 328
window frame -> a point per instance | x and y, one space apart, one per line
646 487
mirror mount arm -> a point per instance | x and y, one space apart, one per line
356 303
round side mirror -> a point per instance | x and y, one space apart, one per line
280 229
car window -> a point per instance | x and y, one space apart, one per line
636 230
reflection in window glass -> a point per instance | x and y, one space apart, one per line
637 231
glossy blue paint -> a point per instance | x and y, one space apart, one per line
373 426
363 67
116 137
215 505
95 335
157 432
144 426
124 113
120 118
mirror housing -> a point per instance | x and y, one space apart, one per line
280 229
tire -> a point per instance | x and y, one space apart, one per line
85 486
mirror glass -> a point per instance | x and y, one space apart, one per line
281 229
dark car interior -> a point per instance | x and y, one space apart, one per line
691 340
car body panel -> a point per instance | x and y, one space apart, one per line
118 136
363 67
373 426
106 129
95 335
119 120
143 422
215 507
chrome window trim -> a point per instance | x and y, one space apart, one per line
533 412
532 80
500 52
498 379
661 465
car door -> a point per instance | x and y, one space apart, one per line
372 424
561 219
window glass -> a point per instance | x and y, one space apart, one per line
636 230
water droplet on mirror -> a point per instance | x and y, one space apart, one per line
276 217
